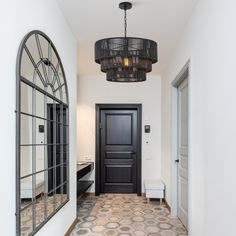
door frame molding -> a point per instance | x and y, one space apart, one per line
184 72
108 106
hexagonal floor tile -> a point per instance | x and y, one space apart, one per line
126 222
112 225
98 228
125 234
139 226
167 233
114 219
90 218
164 225
139 233
110 232
125 229
138 219
86 225
150 222
152 229
83 232
101 221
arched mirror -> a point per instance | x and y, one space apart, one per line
42 145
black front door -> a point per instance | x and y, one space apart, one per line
119 139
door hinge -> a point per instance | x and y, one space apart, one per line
100 125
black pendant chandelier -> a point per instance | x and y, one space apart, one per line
126 59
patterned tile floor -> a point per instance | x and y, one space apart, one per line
52 203
125 215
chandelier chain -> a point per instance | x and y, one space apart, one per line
125 24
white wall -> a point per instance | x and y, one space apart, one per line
94 89
17 18
209 42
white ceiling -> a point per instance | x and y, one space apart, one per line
159 20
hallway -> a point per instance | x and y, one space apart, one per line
52 80
125 214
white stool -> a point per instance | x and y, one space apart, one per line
154 189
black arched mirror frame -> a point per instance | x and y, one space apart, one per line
42 134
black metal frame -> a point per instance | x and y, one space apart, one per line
100 107
19 80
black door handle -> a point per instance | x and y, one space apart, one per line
177 161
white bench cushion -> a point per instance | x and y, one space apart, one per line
154 188
154 184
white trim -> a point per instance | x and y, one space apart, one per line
190 165
184 72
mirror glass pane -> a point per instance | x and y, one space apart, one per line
39 78
40 158
26 221
31 45
26 160
50 90
64 94
26 130
27 66
40 192
40 210
58 93
26 191
43 134
40 100
60 75
40 132
55 60
26 98
44 45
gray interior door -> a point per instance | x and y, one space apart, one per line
183 152
118 171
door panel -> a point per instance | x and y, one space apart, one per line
123 125
118 151
183 152
118 155
114 175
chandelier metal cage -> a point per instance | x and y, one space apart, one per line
126 59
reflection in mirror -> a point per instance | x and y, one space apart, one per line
39 104
42 129
26 132
26 161
26 98
27 70
40 150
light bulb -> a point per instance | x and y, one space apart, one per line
126 61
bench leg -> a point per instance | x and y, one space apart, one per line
148 200
160 201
